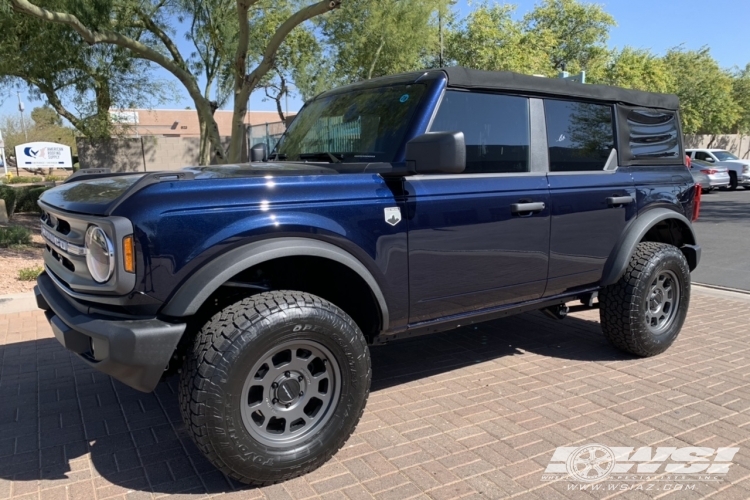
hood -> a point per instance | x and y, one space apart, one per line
90 196
100 193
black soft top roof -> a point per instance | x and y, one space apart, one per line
460 77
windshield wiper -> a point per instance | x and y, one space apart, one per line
323 154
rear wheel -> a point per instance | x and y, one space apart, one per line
644 311
275 385
732 180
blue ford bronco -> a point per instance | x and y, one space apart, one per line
390 208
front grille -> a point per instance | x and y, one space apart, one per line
65 253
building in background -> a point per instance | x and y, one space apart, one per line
182 122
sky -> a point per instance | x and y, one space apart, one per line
657 25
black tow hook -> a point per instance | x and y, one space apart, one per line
556 312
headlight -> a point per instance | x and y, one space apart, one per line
100 254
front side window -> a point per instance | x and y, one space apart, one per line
702 155
495 127
724 155
580 135
360 126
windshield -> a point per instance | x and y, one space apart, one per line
724 155
359 126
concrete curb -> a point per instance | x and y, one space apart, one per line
17 302
23 302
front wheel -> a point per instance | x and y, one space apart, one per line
644 311
275 385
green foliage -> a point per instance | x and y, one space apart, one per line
80 81
637 69
369 38
488 38
14 236
27 197
578 32
24 180
707 105
30 273
741 95
8 194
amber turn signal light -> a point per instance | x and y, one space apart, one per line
128 253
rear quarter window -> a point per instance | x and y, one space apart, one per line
650 136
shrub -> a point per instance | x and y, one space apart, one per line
14 236
52 178
8 194
24 180
27 197
30 273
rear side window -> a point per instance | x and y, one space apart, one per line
495 127
580 135
653 134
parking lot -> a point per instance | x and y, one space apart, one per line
723 229
474 413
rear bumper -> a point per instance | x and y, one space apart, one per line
133 351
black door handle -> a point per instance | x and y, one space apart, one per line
526 208
615 201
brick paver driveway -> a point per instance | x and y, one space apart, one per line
476 412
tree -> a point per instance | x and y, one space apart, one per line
80 82
370 38
705 91
741 96
489 39
637 69
107 23
578 31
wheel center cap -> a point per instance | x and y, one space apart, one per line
287 391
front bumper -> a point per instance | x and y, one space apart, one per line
134 351
744 180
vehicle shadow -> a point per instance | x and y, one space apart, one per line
55 410
724 211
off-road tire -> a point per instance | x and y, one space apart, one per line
623 305
226 348
732 180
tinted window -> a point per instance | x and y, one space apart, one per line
724 155
653 134
700 155
496 129
359 126
579 135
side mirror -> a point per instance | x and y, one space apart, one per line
709 159
437 153
259 152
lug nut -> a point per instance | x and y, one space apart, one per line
275 401
301 393
287 374
288 405
274 385
300 378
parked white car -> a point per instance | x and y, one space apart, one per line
739 170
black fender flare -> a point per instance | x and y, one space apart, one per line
206 280
620 257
